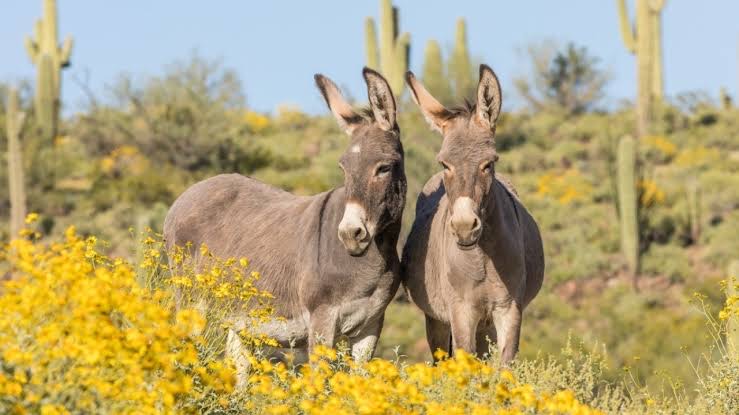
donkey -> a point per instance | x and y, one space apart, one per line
329 260
474 257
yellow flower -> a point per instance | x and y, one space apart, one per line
48 409
566 187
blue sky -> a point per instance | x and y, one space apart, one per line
276 46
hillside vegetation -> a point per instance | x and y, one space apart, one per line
115 168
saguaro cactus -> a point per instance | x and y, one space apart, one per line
14 119
627 202
433 72
645 41
50 59
693 199
732 328
394 49
460 66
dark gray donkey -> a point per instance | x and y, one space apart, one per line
330 260
474 258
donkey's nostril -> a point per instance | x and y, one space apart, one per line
475 224
359 233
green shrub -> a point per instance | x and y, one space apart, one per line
667 260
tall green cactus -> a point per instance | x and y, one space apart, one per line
732 329
627 202
394 49
460 66
14 119
50 59
433 73
645 41
693 199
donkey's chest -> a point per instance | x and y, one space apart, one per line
360 308
476 278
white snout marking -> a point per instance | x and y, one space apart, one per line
354 214
356 148
464 209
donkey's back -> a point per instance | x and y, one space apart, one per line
237 216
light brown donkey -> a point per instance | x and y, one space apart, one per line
474 258
330 260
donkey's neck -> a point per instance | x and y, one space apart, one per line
495 246
500 220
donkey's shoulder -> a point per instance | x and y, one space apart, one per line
430 195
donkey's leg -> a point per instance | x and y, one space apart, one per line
291 356
322 326
439 335
235 351
363 346
464 328
486 336
508 325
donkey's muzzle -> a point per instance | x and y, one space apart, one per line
353 230
465 224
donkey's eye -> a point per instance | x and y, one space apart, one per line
383 169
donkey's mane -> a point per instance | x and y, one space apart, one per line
467 109
366 113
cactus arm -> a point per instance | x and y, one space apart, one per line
400 63
656 6
66 51
627 199
31 49
38 31
627 33
370 35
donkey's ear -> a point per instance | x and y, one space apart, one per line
489 98
346 117
382 101
432 110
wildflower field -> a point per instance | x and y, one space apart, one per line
82 332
